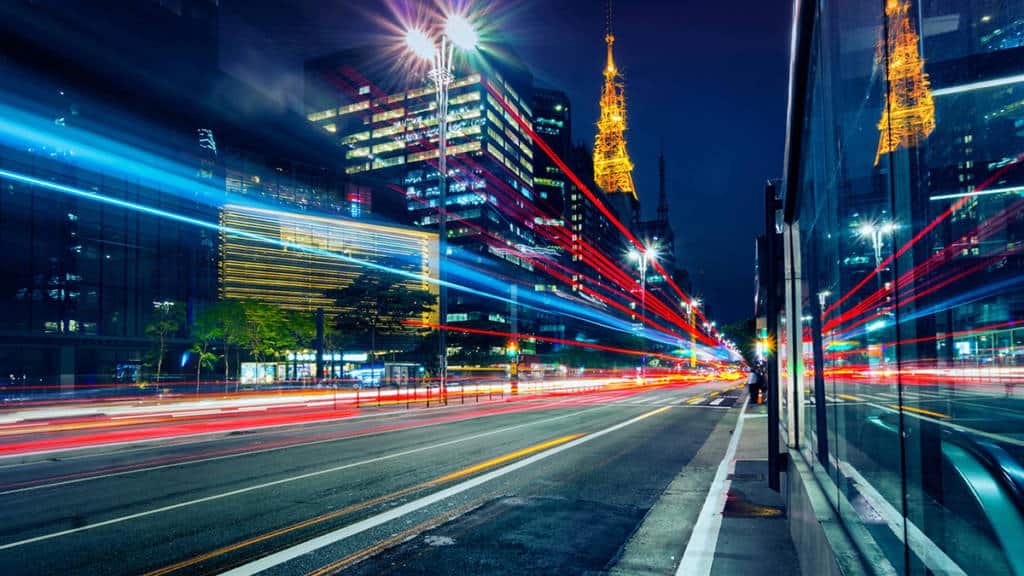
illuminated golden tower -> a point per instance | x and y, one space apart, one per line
908 113
613 171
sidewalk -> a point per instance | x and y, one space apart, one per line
735 524
754 535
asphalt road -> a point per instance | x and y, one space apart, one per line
554 485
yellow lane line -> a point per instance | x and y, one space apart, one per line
694 400
920 411
363 505
848 397
502 459
443 517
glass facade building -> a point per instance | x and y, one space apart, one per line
387 130
113 188
900 347
338 250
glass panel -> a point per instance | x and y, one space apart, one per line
910 284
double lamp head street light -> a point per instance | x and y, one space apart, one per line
458 33
874 232
643 258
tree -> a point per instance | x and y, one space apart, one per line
378 301
168 316
744 334
206 331
265 333
223 321
299 330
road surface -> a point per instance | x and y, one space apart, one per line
545 485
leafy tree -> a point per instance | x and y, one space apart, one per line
222 322
265 333
744 334
578 357
299 330
205 332
168 318
378 302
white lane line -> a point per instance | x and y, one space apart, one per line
873 397
269 427
937 393
213 497
700 550
226 456
930 553
259 451
997 437
288 554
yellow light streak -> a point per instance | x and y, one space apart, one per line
920 411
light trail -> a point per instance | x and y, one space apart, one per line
590 196
542 302
602 264
609 268
542 339
917 237
980 233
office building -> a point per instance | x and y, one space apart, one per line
387 129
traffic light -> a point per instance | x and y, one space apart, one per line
512 349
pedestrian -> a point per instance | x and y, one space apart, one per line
762 385
752 384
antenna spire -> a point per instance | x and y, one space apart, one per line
608 19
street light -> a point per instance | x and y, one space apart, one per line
643 258
692 307
458 32
823 299
874 232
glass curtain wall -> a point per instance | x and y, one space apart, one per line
903 341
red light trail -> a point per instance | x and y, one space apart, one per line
917 237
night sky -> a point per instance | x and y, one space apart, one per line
707 80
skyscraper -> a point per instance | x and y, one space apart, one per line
388 130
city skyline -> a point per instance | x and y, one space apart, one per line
464 287
712 163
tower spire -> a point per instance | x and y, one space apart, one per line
609 39
908 112
613 170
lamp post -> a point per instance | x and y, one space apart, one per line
823 299
458 32
643 258
874 232
692 307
